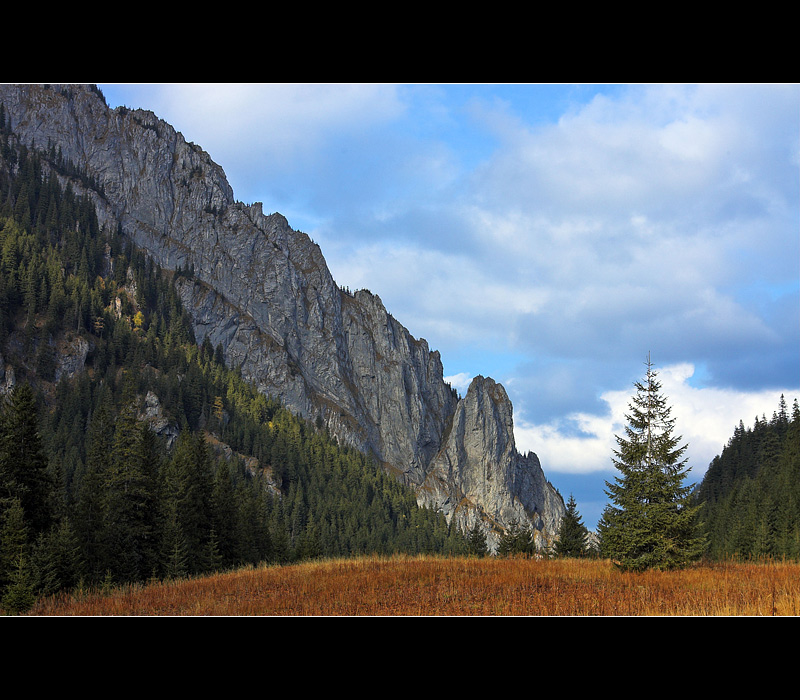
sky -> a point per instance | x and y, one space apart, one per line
549 236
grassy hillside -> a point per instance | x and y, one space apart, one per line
456 586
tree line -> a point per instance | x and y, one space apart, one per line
750 494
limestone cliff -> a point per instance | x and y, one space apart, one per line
479 475
264 293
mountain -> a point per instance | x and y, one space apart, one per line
128 452
262 294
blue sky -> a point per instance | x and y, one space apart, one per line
548 236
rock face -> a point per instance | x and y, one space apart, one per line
264 293
478 475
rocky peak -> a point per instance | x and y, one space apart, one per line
263 292
479 476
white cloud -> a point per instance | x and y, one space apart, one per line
284 121
460 382
435 294
705 417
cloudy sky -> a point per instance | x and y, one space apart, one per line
547 236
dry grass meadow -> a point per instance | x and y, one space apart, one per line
429 586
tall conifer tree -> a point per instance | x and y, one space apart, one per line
572 533
188 501
129 487
23 465
649 522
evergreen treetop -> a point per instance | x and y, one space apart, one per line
572 534
650 522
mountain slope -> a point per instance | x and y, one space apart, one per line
127 450
750 494
262 293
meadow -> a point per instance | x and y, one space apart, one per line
431 586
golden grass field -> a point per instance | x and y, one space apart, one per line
427 586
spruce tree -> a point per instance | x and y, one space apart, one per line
650 522
572 534
223 510
14 544
23 465
129 495
89 512
19 596
188 482
516 540
476 540
56 560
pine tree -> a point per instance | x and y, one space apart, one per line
90 500
19 596
188 501
56 560
476 540
223 508
13 540
650 522
516 540
23 465
572 534
129 493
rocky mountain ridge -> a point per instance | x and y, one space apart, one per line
263 292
